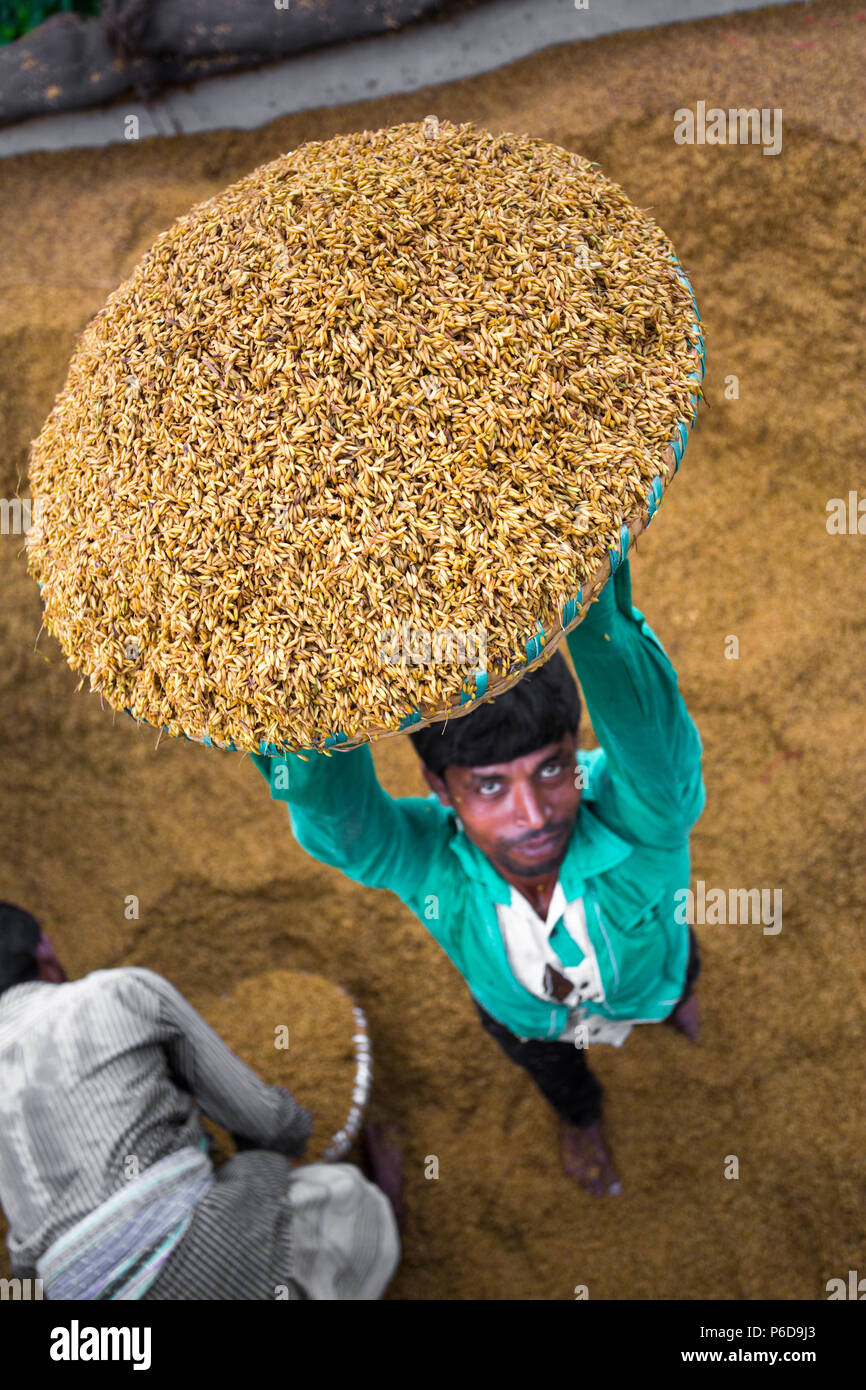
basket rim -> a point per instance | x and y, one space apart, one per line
341 1142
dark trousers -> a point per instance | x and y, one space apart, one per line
559 1069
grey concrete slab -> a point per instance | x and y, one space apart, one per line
423 56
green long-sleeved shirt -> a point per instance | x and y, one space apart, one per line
627 857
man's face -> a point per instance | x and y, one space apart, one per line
521 813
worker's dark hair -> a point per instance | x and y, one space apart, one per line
19 937
541 708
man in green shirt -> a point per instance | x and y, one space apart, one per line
547 874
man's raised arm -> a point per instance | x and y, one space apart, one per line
652 747
226 1089
341 815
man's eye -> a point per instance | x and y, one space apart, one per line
489 788
551 769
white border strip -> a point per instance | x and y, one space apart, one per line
343 1140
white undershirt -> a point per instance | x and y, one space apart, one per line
527 945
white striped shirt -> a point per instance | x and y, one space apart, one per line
97 1079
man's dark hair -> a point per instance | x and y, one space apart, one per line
541 708
19 937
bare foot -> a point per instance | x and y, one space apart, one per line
686 1018
384 1152
586 1158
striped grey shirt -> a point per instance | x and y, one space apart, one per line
97 1079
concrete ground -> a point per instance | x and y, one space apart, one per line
424 55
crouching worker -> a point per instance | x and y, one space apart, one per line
548 875
105 1177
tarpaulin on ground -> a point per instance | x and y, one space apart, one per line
70 61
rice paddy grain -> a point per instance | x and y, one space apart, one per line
416 375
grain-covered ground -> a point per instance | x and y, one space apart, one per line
92 813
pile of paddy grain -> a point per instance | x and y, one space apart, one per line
316 1019
414 379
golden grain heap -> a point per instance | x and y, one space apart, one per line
416 376
295 1030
